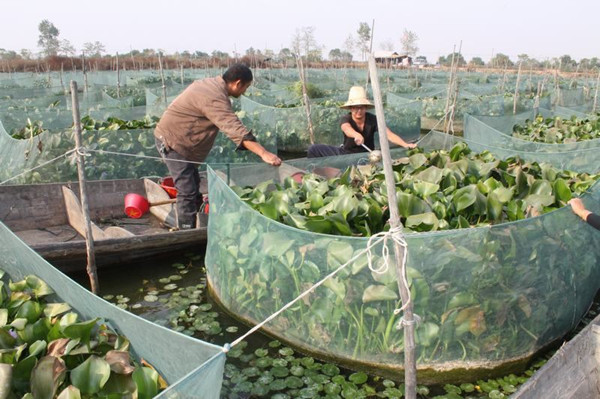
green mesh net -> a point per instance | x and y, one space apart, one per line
495 133
175 356
485 295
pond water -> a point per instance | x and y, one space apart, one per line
171 291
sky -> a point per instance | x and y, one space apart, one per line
540 29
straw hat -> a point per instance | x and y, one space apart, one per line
357 96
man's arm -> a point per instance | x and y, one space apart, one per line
394 138
259 150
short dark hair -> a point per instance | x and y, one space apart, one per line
238 72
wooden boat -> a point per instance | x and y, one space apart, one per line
572 372
48 218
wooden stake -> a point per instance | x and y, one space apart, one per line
118 78
516 96
162 78
449 91
85 80
305 100
89 240
410 364
370 51
596 93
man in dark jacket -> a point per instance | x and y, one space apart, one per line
188 128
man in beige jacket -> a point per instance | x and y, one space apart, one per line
188 128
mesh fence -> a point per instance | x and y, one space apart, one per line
484 295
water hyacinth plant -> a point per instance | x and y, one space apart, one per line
50 352
558 130
438 190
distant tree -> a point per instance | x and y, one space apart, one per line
409 42
147 52
567 63
594 62
364 38
48 38
315 55
387 45
447 61
67 49
500 61
8 54
94 49
303 41
219 54
200 54
347 56
335 54
349 44
26 54
477 62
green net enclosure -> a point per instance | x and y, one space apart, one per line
496 132
175 356
488 297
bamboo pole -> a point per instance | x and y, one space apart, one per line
85 79
410 365
449 91
516 96
456 86
370 51
305 100
162 78
62 82
181 73
89 240
118 78
596 93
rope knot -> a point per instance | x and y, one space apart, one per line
403 322
82 151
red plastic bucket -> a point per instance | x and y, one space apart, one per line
135 205
169 186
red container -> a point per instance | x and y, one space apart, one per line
169 186
135 205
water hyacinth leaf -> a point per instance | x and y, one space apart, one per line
119 362
316 201
34 332
55 309
319 224
295 220
47 376
541 187
464 197
562 192
473 318
340 224
3 317
427 333
410 204
335 285
268 210
503 194
82 331
37 347
431 175
425 189
6 372
423 222
91 375
38 286
30 310
494 207
378 293
70 392
417 160
338 253
276 245
345 203
539 201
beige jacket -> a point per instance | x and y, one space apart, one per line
192 121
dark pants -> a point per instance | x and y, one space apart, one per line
324 150
187 182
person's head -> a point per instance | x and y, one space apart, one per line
357 101
238 78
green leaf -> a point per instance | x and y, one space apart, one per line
425 189
431 175
410 204
146 380
378 293
91 375
274 244
562 192
494 207
268 210
81 330
55 309
70 392
464 197
38 286
423 222
47 376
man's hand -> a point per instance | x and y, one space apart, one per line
271 158
410 145
359 140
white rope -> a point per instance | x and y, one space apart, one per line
37 167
